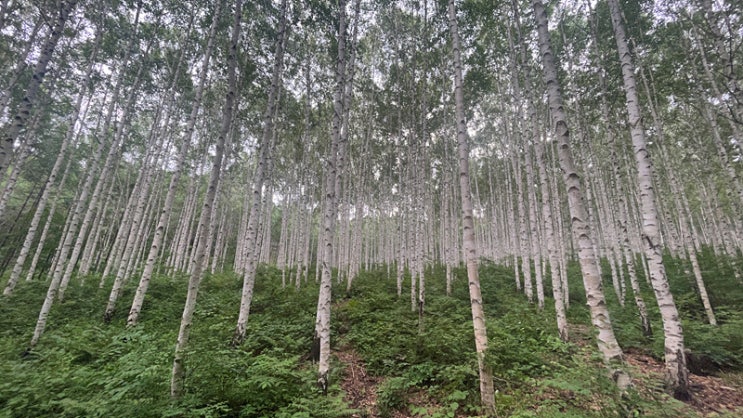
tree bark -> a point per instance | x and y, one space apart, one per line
165 212
21 117
331 189
676 373
198 262
74 218
246 297
606 340
487 392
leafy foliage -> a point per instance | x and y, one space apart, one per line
85 368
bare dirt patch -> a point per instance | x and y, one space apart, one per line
711 395
360 387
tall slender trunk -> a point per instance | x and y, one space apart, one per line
13 76
114 153
23 113
487 392
74 218
184 232
167 209
560 235
322 324
198 262
523 217
94 238
514 237
687 234
258 180
47 224
606 339
421 173
676 372
16 166
557 287
139 201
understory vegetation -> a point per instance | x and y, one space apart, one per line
84 367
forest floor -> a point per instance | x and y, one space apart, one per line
383 363
712 396
359 386
361 389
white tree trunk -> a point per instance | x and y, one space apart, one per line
47 224
487 392
676 373
607 342
66 241
331 190
198 262
246 297
12 133
139 201
51 180
108 168
557 288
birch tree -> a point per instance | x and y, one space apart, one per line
330 209
50 183
198 262
74 218
166 211
487 392
258 181
12 132
676 373
607 342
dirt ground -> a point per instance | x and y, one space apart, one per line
360 388
711 395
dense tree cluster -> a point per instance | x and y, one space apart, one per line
329 137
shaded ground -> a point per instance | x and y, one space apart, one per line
719 395
360 387
711 395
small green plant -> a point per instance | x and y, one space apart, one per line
392 395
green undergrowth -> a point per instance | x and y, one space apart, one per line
84 367
718 347
528 360
536 374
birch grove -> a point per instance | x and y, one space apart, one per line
579 146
